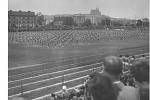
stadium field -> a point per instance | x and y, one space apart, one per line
24 56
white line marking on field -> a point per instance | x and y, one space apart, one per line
32 83
59 72
56 62
51 73
40 70
61 66
144 57
48 62
141 54
46 69
48 86
55 72
54 84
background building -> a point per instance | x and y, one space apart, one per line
48 19
95 12
63 20
20 20
79 19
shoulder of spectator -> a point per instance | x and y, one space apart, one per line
128 93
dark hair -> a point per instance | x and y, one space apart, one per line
53 95
140 70
120 56
101 88
113 65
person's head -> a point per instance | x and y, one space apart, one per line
133 56
113 65
64 87
100 87
53 95
140 70
143 56
127 56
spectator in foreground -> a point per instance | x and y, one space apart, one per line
113 69
64 92
100 88
140 71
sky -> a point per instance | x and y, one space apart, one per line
114 8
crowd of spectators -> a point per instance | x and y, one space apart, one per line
60 38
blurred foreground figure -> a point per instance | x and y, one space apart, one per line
140 71
113 68
100 87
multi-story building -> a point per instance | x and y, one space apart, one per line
20 20
92 18
48 19
95 12
58 20
79 19
95 19
61 20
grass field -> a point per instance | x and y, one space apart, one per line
19 56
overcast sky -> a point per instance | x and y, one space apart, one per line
112 8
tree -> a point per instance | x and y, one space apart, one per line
139 23
103 22
107 22
87 23
145 22
40 19
117 24
68 21
100 25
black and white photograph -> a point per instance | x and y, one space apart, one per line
78 49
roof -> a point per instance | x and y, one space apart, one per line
20 13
